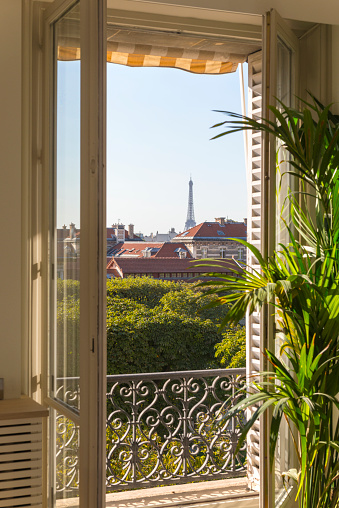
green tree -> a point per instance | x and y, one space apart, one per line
231 351
158 326
154 340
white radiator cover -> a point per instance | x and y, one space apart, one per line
20 457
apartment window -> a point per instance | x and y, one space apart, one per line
241 254
223 252
90 162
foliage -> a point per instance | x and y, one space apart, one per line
144 290
68 289
158 326
301 281
68 328
152 325
231 351
154 340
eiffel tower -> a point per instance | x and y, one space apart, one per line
190 221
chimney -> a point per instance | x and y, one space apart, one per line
245 221
64 231
221 220
131 231
72 230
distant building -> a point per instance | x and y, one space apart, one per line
118 234
215 239
68 253
163 268
149 250
68 247
161 237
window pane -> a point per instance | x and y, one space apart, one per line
66 307
66 462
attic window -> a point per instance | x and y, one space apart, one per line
221 233
184 234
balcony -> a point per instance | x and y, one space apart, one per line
163 430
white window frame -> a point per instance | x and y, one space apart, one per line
92 416
94 187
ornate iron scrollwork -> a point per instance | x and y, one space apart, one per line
168 427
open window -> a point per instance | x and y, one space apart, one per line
141 39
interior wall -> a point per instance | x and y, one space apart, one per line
10 196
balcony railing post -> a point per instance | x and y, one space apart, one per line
134 447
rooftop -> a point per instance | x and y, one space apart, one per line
215 230
162 265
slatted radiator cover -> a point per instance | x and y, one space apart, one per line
20 459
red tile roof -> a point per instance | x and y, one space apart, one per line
167 265
215 230
134 249
168 249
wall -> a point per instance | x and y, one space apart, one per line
10 196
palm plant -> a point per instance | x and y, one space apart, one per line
301 280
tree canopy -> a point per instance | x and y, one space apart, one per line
152 326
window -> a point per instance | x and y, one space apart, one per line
223 252
241 254
90 260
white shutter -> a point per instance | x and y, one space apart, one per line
254 170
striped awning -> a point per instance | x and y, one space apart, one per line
143 48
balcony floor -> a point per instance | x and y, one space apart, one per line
218 493
231 493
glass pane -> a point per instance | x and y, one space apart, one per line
284 187
65 358
66 462
284 77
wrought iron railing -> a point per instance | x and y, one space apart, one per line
165 428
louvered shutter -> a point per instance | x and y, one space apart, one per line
254 169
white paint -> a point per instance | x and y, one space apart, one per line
10 196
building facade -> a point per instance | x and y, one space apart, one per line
214 240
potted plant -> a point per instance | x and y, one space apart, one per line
301 280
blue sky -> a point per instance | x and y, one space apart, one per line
158 134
